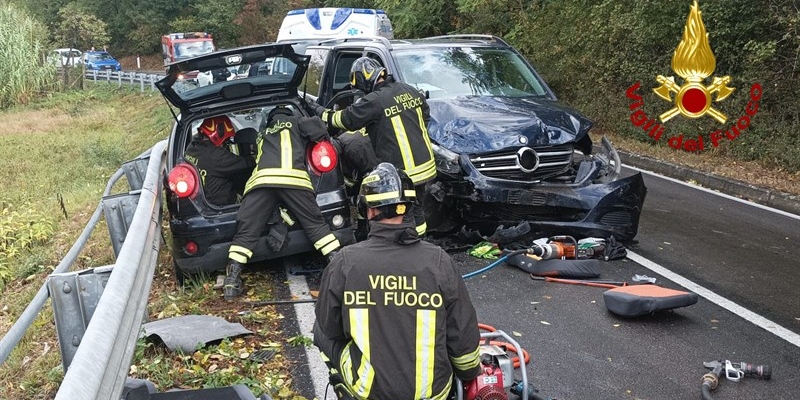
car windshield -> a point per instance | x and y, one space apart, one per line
100 57
463 71
192 49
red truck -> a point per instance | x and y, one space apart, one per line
179 46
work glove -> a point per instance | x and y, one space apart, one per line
485 250
318 109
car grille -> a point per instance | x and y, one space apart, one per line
521 165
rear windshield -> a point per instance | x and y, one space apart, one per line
464 71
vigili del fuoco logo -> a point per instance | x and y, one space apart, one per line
693 61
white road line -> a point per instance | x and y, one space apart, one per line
305 320
727 196
748 315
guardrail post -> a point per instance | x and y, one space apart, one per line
119 79
141 83
118 211
74 297
133 75
94 76
108 75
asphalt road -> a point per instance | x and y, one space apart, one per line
742 259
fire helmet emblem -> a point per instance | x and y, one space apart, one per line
694 61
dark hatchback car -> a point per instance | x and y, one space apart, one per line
507 151
201 232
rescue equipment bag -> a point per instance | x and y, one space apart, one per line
636 300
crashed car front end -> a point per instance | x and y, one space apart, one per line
595 202
505 162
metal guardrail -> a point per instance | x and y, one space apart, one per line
100 365
124 77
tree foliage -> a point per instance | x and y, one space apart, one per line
589 52
79 29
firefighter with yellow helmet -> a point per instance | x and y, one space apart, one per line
396 117
394 319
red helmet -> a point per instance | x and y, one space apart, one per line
218 129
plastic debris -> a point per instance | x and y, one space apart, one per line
643 278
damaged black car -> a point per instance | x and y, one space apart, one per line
508 153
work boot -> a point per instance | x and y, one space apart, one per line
232 285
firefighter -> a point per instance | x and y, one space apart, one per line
394 319
396 117
222 172
281 176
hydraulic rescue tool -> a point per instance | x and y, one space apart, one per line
734 371
497 371
566 247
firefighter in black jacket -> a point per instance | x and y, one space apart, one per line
394 319
222 173
396 116
281 176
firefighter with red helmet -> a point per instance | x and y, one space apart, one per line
280 178
222 172
396 117
394 319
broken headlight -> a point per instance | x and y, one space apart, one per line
609 161
446 160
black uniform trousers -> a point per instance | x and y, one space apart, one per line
260 203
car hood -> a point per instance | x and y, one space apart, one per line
479 124
188 95
103 62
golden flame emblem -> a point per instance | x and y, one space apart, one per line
693 61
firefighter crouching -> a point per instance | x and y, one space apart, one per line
394 319
396 117
280 178
220 170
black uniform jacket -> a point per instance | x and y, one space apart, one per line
406 313
396 116
281 155
222 173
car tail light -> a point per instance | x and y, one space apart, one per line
322 157
190 248
183 180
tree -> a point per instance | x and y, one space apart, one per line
80 29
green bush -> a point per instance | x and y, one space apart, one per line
19 232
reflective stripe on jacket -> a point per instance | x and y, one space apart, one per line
396 117
281 159
406 315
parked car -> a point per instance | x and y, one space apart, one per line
201 233
65 57
100 61
506 150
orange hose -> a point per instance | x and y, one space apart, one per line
506 345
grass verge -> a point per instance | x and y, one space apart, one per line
58 153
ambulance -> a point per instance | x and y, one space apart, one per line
334 23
